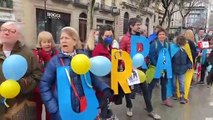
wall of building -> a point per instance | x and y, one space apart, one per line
25 13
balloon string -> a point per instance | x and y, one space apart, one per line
5 103
89 85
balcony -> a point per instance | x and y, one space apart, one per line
115 10
129 4
6 4
105 8
80 3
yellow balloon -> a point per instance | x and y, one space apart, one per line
80 64
150 73
141 75
10 89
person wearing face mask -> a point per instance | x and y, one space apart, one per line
103 48
91 41
70 46
125 45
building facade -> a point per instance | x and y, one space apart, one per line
52 15
197 17
210 15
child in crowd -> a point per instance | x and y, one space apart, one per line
44 52
180 64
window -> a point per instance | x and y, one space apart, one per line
147 25
113 3
54 22
125 23
82 26
101 22
6 3
103 2
154 18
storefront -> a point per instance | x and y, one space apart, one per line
6 16
52 22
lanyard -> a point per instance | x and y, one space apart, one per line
164 56
71 83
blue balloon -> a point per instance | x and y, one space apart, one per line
101 66
138 60
14 67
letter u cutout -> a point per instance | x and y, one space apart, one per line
64 97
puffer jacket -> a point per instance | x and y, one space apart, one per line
49 79
27 83
125 43
181 62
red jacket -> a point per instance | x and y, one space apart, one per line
43 58
125 43
100 50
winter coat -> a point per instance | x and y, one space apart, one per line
125 43
193 49
27 83
181 62
152 37
49 78
100 50
43 58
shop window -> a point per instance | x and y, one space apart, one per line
147 25
54 22
6 3
125 23
83 26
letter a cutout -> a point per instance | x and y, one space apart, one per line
163 63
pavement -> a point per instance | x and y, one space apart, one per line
200 106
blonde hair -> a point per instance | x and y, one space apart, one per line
189 35
45 35
90 42
74 35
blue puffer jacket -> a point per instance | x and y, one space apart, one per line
155 47
181 62
152 37
49 79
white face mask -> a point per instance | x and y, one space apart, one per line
96 38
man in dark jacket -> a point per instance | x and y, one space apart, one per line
19 109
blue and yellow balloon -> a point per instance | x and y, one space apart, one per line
101 65
14 67
9 89
138 60
80 64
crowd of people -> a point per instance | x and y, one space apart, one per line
39 85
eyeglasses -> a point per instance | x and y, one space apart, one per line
8 30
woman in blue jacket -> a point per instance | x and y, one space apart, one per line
180 64
70 45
